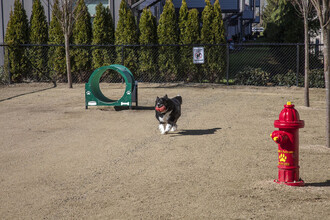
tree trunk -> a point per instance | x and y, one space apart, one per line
306 59
326 51
68 63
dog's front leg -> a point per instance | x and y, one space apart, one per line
168 128
161 127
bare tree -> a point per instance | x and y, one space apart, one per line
305 7
66 16
322 8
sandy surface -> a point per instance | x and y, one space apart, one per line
60 161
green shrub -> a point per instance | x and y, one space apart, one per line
38 35
126 34
316 78
103 33
56 62
183 17
252 76
217 59
190 36
82 35
167 32
288 79
16 34
148 54
207 37
2 75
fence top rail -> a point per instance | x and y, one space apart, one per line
159 45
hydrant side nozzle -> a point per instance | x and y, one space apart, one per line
280 137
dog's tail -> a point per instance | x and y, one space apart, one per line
179 98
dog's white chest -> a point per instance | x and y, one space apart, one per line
164 118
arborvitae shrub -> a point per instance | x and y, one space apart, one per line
218 59
148 54
190 36
38 55
126 34
82 35
102 35
56 53
183 17
17 34
207 37
167 32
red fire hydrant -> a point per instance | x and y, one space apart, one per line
287 138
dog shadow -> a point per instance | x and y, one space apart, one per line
197 131
139 108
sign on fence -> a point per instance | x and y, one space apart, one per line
198 53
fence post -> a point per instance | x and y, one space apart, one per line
297 75
227 64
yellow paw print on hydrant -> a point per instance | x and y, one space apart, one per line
282 157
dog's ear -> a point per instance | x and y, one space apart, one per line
166 96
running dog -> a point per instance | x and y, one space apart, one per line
168 111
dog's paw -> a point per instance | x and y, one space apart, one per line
168 128
161 128
174 128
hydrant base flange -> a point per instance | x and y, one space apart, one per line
296 183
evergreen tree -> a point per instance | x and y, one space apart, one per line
207 37
167 32
102 34
207 18
190 36
183 17
218 58
192 28
111 27
38 35
17 34
56 53
268 11
126 34
148 36
82 35
282 24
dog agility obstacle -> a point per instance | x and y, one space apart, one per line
94 95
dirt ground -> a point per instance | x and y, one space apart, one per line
61 161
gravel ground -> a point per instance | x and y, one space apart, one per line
61 161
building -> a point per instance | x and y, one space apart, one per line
238 15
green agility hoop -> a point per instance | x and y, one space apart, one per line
94 96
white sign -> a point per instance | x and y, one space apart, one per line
198 53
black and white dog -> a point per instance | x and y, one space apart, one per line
168 111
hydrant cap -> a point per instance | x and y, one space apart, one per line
289 118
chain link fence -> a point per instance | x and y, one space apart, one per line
231 64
